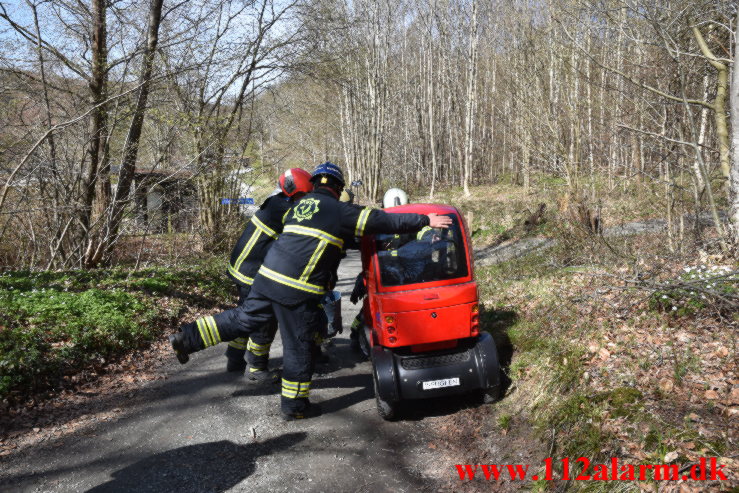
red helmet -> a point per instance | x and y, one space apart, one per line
294 181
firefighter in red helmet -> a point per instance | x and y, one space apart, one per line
294 277
246 258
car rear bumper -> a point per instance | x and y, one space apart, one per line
401 376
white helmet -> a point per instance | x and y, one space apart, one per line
393 197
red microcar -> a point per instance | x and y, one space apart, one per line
421 315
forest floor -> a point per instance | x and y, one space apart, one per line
622 347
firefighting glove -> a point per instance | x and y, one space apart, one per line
359 290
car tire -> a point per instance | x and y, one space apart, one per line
387 410
491 395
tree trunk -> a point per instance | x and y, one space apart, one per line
734 171
470 106
103 249
719 105
98 92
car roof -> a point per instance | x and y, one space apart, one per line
424 209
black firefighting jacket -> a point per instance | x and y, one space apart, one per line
301 262
254 243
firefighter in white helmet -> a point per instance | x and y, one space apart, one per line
394 197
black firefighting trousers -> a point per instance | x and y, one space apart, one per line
300 326
256 347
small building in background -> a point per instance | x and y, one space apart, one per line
165 201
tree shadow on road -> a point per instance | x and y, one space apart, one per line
362 382
214 467
340 357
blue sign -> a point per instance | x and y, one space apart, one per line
240 201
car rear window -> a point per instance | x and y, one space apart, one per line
432 254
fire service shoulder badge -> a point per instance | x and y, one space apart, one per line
305 209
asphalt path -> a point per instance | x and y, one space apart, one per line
201 429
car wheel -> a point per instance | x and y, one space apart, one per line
386 409
491 395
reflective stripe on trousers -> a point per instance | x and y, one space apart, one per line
208 331
258 349
295 390
239 343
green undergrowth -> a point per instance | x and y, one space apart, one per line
58 323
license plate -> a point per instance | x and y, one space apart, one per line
440 384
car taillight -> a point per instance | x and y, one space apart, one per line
392 340
389 319
391 330
475 320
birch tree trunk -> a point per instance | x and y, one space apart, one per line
734 171
719 105
471 102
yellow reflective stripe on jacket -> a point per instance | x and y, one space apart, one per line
213 329
247 250
265 229
289 281
284 216
258 349
241 277
362 221
204 335
423 231
313 261
316 233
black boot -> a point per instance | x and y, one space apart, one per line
320 356
236 362
177 340
259 376
354 341
310 411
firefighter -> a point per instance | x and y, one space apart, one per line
294 277
259 344
392 198
246 258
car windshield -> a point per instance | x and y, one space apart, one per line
432 254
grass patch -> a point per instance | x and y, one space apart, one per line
58 323
504 421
